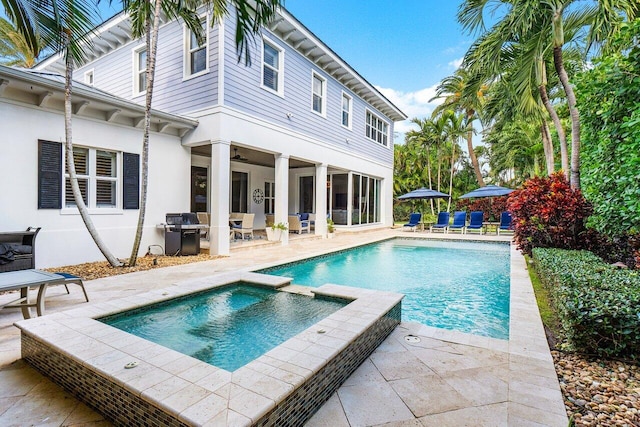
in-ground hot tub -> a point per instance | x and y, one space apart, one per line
129 379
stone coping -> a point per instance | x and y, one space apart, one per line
193 391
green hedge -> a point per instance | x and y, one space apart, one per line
598 305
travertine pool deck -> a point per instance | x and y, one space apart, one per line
447 378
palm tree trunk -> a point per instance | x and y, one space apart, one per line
575 116
439 175
564 158
453 155
472 154
429 173
77 195
152 45
547 145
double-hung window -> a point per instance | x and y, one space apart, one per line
346 110
139 71
97 173
196 53
319 94
272 67
377 129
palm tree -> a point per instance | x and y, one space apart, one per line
14 48
457 126
145 20
525 18
64 25
457 96
424 138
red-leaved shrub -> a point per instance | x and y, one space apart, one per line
548 213
492 207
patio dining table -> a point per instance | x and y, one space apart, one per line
24 280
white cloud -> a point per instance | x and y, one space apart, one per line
413 104
456 63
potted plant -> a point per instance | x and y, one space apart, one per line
274 232
330 228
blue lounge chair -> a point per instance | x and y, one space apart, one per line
505 223
459 221
475 222
442 224
414 221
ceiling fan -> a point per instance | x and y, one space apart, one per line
238 157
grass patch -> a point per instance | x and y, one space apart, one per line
547 313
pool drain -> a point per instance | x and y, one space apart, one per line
412 339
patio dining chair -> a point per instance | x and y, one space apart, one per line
245 227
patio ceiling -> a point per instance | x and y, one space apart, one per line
251 156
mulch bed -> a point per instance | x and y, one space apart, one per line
97 270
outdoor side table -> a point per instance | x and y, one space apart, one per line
23 280
491 224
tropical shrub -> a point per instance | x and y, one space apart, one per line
548 213
598 305
609 99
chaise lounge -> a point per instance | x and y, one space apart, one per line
442 224
414 221
459 222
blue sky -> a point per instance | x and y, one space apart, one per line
403 47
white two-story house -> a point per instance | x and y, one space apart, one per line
298 130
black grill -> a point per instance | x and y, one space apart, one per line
179 239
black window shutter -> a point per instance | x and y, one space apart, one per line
131 179
49 175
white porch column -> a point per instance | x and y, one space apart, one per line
281 205
219 198
350 198
321 199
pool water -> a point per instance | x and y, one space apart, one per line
461 286
226 327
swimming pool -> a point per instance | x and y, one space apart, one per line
461 286
226 327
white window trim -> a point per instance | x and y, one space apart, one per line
92 186
280 91
376 115
346 95
324 94
187 53
93 77
136 70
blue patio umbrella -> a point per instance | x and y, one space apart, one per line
423 194
488 191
